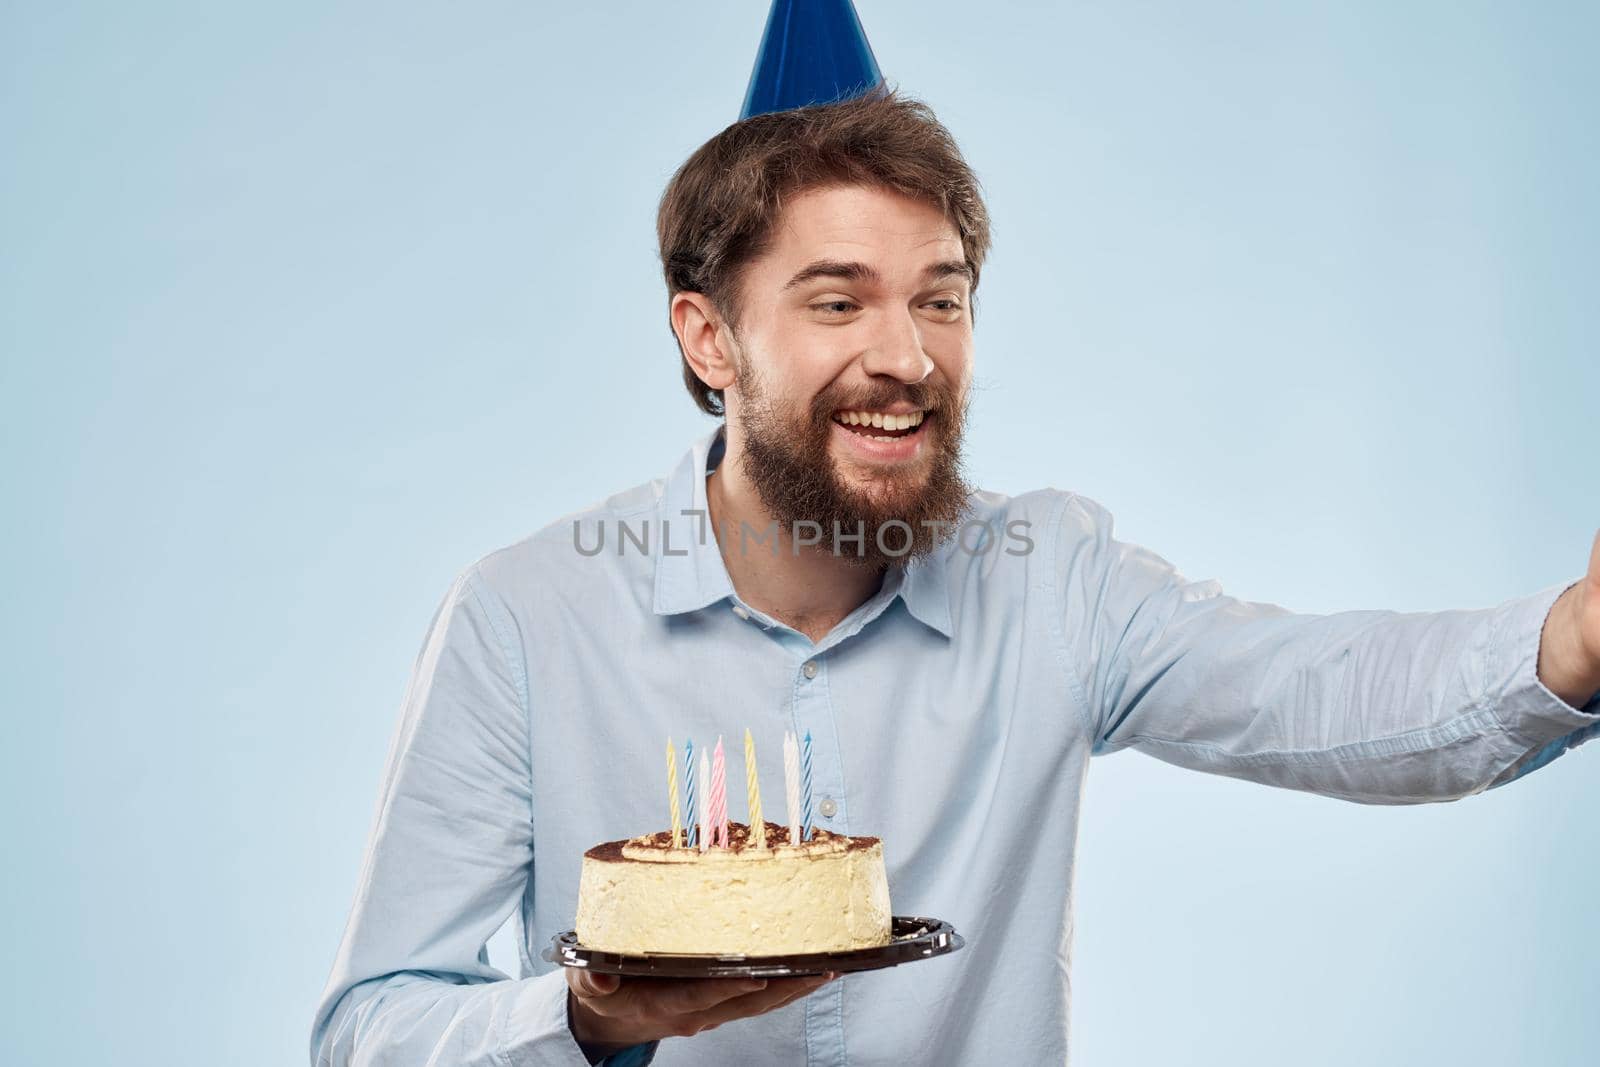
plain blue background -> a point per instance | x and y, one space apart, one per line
303 310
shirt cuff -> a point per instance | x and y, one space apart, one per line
637 1056
536 1033
1544 724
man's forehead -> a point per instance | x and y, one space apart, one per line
844 218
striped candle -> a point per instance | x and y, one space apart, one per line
672 794
752 786
705 802
791 784
719 797
688 791
805 789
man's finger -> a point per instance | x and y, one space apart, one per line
683 998
803 991
588 984
1594 561
667 998
778 993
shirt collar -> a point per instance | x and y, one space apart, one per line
690 573
689 569
926 589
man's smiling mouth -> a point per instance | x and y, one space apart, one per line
881 426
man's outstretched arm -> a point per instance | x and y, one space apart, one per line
1377 707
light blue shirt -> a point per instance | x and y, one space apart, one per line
953 714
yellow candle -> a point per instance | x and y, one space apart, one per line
672 796
758 826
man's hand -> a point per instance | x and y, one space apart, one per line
1569 646
607 1013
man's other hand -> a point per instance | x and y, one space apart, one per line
1569 646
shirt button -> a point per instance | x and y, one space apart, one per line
828 808
738 609
810 671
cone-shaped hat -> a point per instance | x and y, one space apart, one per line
813 52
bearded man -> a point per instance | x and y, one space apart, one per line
817 563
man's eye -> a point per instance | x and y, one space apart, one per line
946 306
834 307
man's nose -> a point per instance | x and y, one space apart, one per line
896 351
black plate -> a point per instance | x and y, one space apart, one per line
915 938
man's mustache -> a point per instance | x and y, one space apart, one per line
925 398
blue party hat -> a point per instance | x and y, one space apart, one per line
813 52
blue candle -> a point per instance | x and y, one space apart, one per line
805 788
688 777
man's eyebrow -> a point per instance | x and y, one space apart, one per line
947 268
860 272
833 268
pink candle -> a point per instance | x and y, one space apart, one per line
719 797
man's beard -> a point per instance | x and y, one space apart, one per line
789 462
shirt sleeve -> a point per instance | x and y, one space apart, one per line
1375 707
448 859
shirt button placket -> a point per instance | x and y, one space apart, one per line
813 711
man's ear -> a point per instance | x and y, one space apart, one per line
704 338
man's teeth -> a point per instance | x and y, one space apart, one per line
880 420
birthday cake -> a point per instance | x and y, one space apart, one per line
751 898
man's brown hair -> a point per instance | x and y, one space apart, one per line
718 211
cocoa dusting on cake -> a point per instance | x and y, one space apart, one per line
738 836
609 851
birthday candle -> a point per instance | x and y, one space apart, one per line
791 784
688 791
672 794
758 825
719 796
705 802
805 789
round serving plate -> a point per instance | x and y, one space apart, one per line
915 938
